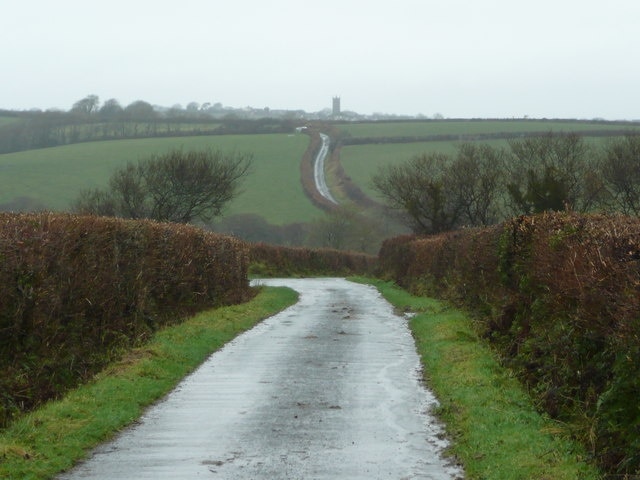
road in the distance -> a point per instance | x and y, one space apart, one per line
328 389
318 169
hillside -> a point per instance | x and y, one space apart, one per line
51 178
365 147
273 206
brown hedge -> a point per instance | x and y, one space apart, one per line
75 290
559 297
273 260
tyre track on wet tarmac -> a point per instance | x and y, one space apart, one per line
330 388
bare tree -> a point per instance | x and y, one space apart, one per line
111 109
346 228
86 105
177 186
128 192
621 172
95 202
420 190
193 108
140 111
550 172
476 180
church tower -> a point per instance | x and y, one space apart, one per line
335 111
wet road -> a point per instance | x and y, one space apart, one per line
327 389
318 169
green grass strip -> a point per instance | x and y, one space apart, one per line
53 438
496 432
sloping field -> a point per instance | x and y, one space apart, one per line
476 127
53 177
360 162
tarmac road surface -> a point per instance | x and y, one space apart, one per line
327 389
318 169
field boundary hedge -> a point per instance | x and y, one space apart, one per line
471 137
558 296
77 290
272 260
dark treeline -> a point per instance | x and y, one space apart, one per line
88 121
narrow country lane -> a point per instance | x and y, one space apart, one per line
318 169
328 389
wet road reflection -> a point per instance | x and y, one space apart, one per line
329 388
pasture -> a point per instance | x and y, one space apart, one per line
475 127
53 177
123 129
8 120
362 162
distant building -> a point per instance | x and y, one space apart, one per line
335 111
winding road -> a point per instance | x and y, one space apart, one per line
327 389
318 169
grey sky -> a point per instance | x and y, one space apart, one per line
460 58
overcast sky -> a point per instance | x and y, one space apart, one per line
459 58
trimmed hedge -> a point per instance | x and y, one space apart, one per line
270 260
76 290
558 295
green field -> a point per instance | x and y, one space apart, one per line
131 129
54 176
8 120
361 162
474 127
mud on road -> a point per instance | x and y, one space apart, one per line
328 389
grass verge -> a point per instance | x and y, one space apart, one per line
495 430
51 439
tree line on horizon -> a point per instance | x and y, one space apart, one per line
89 120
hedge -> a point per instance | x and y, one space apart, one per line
558 295
76 290
271 260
